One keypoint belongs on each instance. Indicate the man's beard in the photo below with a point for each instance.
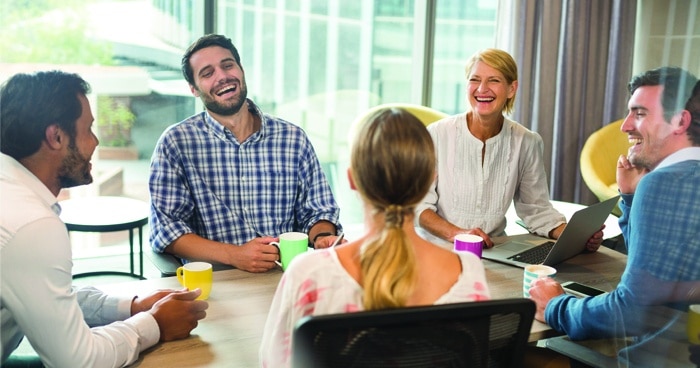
(219, 109)
(75, 169)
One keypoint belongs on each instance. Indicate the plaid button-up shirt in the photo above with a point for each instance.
(204, 181)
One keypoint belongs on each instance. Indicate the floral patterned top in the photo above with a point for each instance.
(316, 283)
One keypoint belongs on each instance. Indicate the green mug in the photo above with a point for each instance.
(291, 245)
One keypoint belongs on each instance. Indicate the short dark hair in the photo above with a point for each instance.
(693, 107)
(677, 86)
(31, 102)
(204, 42)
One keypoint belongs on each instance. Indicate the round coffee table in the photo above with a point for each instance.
(107, 214)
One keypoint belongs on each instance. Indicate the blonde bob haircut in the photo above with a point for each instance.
(501, 61)
(392, 164)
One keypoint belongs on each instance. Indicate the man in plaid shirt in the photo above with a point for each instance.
(225, 182)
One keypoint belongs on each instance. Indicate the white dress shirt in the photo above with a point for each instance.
(470, 194)
(36, 295)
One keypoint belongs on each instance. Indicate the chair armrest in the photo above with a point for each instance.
(590, 352)
(166, 263)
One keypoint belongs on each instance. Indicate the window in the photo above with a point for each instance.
(320, 64)
(668, 33)
(316, 63)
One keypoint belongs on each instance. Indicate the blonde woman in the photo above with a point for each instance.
(392, 166)
(487, 161)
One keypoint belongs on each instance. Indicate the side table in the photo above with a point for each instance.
(107, 214)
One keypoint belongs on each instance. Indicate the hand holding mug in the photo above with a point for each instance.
(142, 304)
(542, 290)
(533, 272)
(291, 245)
(178, 314)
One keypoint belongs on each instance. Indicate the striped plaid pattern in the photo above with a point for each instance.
(204, 181)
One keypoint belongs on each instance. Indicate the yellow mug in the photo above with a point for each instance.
(694, 324)
(195, 275)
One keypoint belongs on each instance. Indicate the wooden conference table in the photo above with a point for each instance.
(230, 335)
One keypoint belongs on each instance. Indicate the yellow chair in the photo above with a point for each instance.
(425, 114)
(599, 160)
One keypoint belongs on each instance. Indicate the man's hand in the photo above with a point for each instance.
(256, 255)
(178, 313)
(542, 290)
(595, 240)
(144, 304)
(327, 241)
(628, 175)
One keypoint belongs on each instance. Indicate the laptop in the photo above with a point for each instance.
(525, 249)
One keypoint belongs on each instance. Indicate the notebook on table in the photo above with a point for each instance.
(525, 249)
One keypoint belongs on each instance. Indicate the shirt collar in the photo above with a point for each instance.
(685, 154)
(222, 130)
(14, 171)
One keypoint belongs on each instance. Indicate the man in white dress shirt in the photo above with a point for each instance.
(46, 142)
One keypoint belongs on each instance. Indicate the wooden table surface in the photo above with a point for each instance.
(230, 335)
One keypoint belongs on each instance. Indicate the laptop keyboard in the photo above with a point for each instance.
(535, 255)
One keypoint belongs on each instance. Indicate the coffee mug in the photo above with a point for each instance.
(195, 275)
(693, 327)
(290, 246)
(533, 272)
(470, 243)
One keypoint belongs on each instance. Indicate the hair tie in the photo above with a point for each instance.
(393, 215)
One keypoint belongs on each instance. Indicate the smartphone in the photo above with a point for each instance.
(580, 290)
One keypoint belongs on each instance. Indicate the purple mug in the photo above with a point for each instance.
(470, 243)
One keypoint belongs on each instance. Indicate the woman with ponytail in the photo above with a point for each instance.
(392, 165)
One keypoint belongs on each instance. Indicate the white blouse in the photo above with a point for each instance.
(469, 194)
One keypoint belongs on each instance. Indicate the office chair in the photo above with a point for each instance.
(599, 160)
(167, 263)
(425, 114)
(475, 334)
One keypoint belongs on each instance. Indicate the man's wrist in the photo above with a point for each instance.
(319, 235)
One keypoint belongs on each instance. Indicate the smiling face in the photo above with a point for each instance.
(652, 137)
(218, 80)
(488, 90)
(75, 167)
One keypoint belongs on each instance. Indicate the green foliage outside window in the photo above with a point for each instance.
(114, 122)
(49, 31)
(56, 32)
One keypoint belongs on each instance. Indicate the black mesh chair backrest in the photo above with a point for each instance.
(476, 334)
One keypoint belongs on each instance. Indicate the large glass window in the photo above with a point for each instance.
(461, 28)
(320, 64)
(316, 63)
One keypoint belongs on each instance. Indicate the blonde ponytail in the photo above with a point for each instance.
(388, 265)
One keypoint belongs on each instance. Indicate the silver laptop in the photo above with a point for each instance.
(525, 249)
